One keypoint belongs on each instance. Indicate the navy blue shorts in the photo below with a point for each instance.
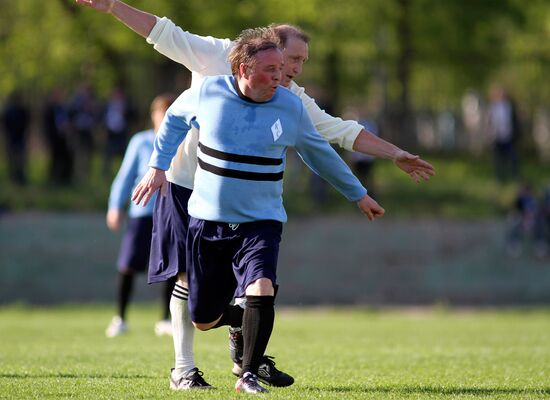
(170, 222)
(223, 260)
(136, 243)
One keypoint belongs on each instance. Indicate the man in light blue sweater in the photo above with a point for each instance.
(247, 122)
(133, 257)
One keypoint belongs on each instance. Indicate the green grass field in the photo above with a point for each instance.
(334, 354)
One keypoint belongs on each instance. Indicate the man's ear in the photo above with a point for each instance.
(243, 70)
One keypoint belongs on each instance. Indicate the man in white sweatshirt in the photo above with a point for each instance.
(206, 56)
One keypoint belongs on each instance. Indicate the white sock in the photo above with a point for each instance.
(241, 302)
(183, 332)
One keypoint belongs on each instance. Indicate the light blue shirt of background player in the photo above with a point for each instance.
(242, 151)
(134, 166)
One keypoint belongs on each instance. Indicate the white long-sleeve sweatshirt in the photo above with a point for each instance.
(207, 56)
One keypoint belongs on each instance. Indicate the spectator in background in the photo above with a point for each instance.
(56, 129)
(136, 243)
(523, 219)
(504, 132)
(83, 117)
(16, 121)
(542, 229)
(117, 117)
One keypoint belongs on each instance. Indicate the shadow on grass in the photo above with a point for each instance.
(475, 391)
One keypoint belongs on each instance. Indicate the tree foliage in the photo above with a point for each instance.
(402, 53)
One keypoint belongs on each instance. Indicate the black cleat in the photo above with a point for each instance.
(268, 373)
(193, 380)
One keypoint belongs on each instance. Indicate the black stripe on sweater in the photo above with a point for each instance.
(245, 175)
(239, 157)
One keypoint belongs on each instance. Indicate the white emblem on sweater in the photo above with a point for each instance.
(277, 129)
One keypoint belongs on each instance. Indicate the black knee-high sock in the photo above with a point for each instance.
(167, 290)
(232, 316)
(258, 318)
(125, 285)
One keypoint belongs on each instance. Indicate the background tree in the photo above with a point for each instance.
(394, 57)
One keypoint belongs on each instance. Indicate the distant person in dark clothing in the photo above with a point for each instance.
(542, 228)
(504, 131)
(56, 129)
(83, 114)
(117, 118)
(16, 120)
(524, 219)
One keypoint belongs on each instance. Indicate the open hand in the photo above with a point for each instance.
(414, 166)
(153, 180)
(114, 218)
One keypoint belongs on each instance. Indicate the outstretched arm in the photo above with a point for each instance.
(139, 21)
(350, 135)
(203, 54)
(322, 159)
(413, 165)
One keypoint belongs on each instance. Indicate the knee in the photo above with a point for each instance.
(204, 326)
(182, 280)
(260, 287)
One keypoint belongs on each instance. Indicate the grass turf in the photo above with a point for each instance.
(334, 354)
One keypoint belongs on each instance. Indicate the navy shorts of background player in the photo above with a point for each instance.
(135, 246)
(170, 222)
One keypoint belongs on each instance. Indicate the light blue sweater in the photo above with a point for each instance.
(242, 151)
(133, 168)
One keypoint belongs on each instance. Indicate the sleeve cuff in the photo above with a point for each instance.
(155, 33)
(364, 192)
(159, 162)
(350, 139)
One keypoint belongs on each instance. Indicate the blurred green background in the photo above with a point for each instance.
(417, 70)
